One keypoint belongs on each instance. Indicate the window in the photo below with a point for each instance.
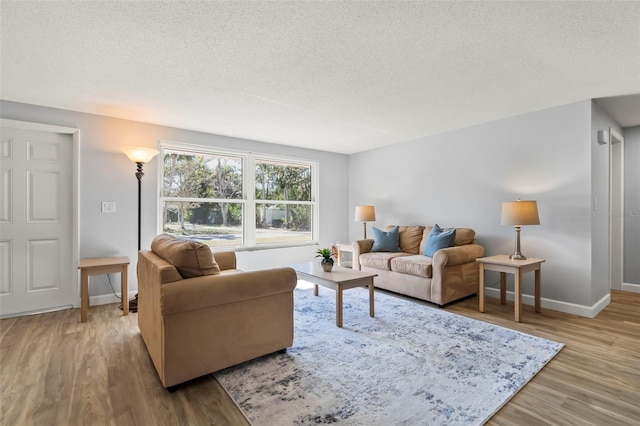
(283, 204)
(234, 199)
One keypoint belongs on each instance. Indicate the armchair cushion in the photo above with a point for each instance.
(190, 258)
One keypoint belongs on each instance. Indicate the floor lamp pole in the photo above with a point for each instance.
(138, 155)
(139, 175)
(133, 303)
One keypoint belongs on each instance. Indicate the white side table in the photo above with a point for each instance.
(343, 248)
(99, 266)
(504, 265)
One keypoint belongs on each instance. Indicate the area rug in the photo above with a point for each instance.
(412, 364)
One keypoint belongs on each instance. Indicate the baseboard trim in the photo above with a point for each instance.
(36, 312)
(557, 305)
(634, 288)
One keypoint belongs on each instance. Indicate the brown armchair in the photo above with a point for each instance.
(198, 314)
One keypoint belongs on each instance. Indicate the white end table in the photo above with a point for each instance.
(504, 265)
(99, 266)
(343, 248)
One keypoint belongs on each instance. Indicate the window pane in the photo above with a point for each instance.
(215, 224)
(280, 223)
(282, 181)
(193, 175)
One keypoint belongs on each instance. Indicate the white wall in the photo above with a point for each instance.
(632, 206)
(106, 174)
(462, 177)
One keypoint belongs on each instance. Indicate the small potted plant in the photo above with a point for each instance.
(327, 259)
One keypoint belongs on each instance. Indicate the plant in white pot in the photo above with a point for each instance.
(327, 259)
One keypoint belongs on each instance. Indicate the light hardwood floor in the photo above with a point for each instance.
(57, 371)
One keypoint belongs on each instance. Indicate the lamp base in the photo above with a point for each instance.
(516, 250)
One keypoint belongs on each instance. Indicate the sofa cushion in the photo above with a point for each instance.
(380, 260)
(409, 238)
(386, 241)
(417, 265)
(464, 236)
(438, 239)
(425, 235)
(191, 258)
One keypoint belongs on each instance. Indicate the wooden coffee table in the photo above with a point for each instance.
(338, 279)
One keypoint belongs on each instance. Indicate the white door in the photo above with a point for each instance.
(35, 221)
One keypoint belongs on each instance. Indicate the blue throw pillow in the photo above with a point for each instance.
(386, 241)
(439, 239)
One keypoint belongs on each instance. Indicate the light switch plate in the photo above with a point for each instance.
(108, 207)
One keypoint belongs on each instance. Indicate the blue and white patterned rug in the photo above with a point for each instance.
(410, 365)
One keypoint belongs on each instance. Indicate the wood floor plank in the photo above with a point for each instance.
(56, 371)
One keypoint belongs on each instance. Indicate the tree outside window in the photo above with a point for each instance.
(283, 201)
(204, 198)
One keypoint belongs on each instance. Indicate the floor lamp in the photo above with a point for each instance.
(138, 155)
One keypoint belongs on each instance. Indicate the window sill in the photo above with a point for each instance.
(264, 247)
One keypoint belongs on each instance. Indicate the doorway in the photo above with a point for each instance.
(38, 220)
(616, 209)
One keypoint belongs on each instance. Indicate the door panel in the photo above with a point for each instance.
(35, 221)
(6, 265)
(43, 265)
(6, 196)
(42, 196)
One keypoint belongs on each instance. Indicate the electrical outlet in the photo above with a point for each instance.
(108, 207)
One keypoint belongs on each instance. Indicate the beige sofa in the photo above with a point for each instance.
(452, 273)
(197, 314)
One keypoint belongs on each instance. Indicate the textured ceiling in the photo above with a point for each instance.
(336, 76)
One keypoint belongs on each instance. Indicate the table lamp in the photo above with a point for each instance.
(518, 213)
(365, 214)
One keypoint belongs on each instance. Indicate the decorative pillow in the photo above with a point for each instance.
(409, 238)
(191, 258)
(438, 239)
(386, 241)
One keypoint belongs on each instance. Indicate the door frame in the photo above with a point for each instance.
(614, 211)
(74, 295)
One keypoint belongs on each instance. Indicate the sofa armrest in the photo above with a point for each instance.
(457, 255)
(213, 290)
(359, 247)
(225, 259)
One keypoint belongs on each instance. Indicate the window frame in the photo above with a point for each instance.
(248, 199)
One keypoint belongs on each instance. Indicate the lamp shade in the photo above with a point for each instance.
(139, 154)
(521, 212)
(365, 213)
